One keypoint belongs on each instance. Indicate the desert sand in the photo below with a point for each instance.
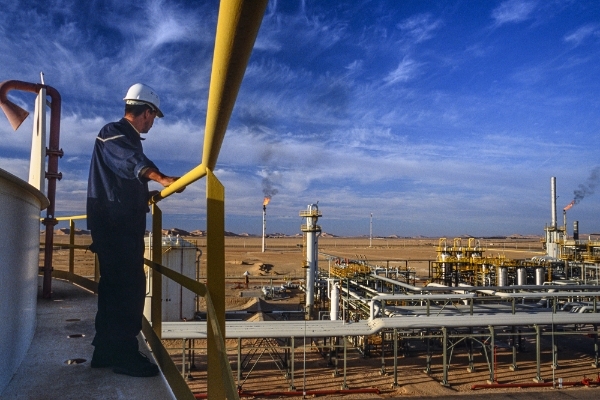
(283, 260)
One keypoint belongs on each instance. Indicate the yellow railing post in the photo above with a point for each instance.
(71, 249)
(215, 277)
(156, 245)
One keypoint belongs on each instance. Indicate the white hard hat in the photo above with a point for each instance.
(143, 94)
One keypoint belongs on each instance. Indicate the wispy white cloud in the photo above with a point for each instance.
(407, 70)
(168, 24)
(419, 28)
(513, 11)
(582, 33)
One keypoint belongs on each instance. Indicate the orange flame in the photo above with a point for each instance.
(266, 201)
(571, 204)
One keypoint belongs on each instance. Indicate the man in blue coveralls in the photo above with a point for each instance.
(117, 203)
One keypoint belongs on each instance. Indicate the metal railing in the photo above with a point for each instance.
(152, 331)
(237, 28)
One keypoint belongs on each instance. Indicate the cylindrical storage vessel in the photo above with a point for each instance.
(20, 206)
(335, 302)
(521, 276)
(502, 276)
(539, 275)
(178, 303)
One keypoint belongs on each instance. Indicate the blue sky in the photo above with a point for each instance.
(441, 118)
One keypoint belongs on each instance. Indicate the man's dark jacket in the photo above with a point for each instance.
(117, 197)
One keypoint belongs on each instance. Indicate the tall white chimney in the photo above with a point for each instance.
(311, 230)
(553, 200)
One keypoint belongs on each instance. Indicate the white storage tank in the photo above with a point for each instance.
(178, 303)
(20, 206)
(521, 276)
(502, 276)
(539, 275)
(335, 302)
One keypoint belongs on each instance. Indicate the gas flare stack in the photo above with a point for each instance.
(264, 226)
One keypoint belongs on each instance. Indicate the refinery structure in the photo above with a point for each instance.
(468, 302)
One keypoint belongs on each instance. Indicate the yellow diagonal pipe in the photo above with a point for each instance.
(190, 177)
(237, 28)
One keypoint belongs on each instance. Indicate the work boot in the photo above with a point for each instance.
(102, 357)
(134, 363)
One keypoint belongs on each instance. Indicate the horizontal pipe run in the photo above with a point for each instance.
(469, 288)
(300, 393)
(432, 297)
(583, 382)
(326, 328)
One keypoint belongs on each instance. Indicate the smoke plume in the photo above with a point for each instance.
(588, 187)
(267, 187)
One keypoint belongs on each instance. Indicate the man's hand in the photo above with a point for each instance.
(157, 176)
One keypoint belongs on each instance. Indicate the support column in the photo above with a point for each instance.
(538, 351)
(335, 365)
(344, 384)
(471, 367)
(292, 346)
(239, 363)
(513, 366)
(428, 358)
(382, 372)
(554, 354)
(493, 356)
(595, 362)
(445, 356)
(395, 383)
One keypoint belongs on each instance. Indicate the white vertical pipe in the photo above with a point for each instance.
(335, 302)
(311, 254)
(37, 162)
(310, 275)
(264, 231)
(553, 200)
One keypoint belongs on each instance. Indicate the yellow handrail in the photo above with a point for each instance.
(201, 290)
(237, 27)
(165, 362)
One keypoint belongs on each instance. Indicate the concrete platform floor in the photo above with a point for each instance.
(65, 329)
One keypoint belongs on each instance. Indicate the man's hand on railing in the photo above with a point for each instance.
(157, 176)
